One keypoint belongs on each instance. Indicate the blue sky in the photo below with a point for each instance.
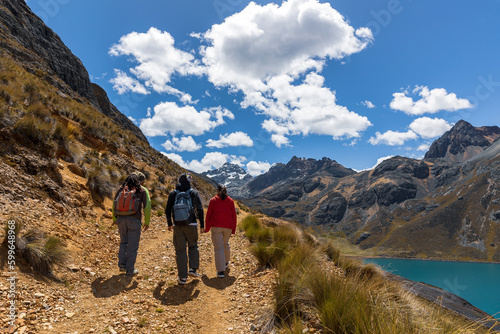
(255, 83)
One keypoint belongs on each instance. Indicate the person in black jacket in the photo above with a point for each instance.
(185, 231)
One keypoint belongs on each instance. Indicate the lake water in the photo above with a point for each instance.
(478, 283)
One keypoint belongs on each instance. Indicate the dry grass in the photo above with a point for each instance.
(40, 253)
(353, 298)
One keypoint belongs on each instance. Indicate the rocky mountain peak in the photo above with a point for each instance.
(462, 142)
(230, 175)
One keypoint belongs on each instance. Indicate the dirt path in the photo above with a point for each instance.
(96, 298)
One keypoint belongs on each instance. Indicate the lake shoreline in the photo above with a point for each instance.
(416, 258)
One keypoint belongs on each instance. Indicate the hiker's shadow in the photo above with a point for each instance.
(105, 288)
(219, 283)
(177, 294)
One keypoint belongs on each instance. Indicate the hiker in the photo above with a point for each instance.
(183, 206)
(129, 201)
(221, 219)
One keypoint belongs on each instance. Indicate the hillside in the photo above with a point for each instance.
(440, 207)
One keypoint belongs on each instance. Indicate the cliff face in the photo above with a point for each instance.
(29, 40)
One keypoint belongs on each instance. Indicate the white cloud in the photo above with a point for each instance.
(368, 104)
(122, 83)
(423, 147)
(379, 160)
(132, 119)
(170, 118)
(158, 60)
(263, 50)
(255, 168)
(262, 41)
(280, 140)
(232, 139)
(210, 161)
(306, 108)
(430, 127)
(431, 101)
(392, 138)
(181, 144)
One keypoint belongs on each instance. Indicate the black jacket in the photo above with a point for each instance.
(195, 199)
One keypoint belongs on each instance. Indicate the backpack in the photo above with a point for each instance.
(126, 203)
(183, 206)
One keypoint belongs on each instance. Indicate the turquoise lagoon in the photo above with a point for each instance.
(478, 283)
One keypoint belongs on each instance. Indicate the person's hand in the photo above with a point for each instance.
(145, 228)
(170, 228)
(202, 230)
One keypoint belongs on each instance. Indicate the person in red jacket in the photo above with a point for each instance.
(221, 219)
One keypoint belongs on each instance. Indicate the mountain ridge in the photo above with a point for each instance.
(399, 197)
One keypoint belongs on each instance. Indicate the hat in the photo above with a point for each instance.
(139, 175)
(185, 177)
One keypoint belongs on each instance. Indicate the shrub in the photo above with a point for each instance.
(32, 90)
(39, 133)
(285, 234)
(99, 184)
(39, 253)
(331, 251)
(39, 110)
(5, 96)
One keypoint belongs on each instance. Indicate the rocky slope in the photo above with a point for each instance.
(434, 207)
(40, 51)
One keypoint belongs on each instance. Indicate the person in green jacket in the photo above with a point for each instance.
(129, 227)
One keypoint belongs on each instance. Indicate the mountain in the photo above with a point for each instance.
(463, 142)
(439, 207)
(230, 175)
(40, 51)
(304, 174)
(65, 147)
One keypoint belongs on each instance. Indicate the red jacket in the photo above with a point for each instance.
(221, 213)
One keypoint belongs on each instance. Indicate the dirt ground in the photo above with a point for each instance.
(90, 295)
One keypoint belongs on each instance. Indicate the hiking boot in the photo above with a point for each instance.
(192, 272)
(181, 281)
(122, 269)
(133, 273)
(220, 274)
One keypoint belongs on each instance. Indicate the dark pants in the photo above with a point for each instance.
(186, 235)
(130, 234)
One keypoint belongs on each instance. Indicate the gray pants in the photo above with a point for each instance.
(220, 240)
(130, 234)
(186, 235)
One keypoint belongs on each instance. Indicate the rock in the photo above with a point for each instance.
(77, 170)
(39, 295)
(332, 211)
(70, 315)
(363, 236)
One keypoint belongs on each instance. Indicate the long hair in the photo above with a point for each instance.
(222, 191)
(132, 181)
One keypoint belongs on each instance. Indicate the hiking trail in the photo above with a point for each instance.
(94, 297)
